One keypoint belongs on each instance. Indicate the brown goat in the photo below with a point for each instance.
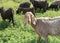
(43, 26)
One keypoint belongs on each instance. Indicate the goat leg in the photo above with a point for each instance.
(39, 39)
(35, 8)
(46, 39)
(9, 20)
(44, 9)
(13, 22)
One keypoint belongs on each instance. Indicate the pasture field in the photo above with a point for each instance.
(17, 34)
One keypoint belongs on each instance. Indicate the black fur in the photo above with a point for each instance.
(26, 10)
(8, 14)
(40, 4)
(53, 6)
(23, 5)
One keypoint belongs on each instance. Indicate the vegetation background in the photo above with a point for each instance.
(17, 34)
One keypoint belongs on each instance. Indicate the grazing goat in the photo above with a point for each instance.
(26, 10)
(53, 6)
(43, 26)
(57, 2)
(24, 5)
(7, 14)
(40, 4)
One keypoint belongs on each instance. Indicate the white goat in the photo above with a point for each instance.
(42, 26)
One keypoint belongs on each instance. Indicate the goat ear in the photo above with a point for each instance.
(34, 23)
(33, 20)
(29, 19)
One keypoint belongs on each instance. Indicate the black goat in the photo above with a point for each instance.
(24, 5)
(57, 2)
(40, 4)
(53, 6)
(7, 14)
(24, 10)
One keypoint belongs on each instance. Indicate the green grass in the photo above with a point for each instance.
(17, 34)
